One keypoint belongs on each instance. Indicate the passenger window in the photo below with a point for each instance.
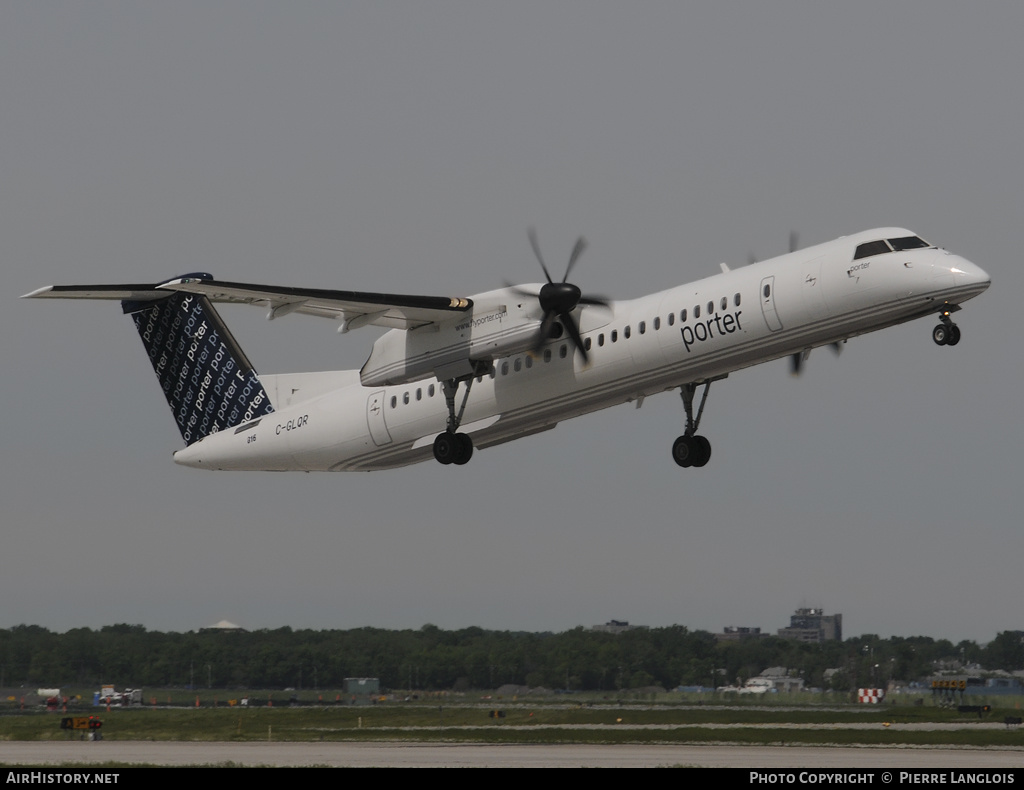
(430, 389)
(626, 333)
(562, 351)
(504, 368)
(671, 319)
(657, 323)
(642, 326)
(405, 398)
(529, 362)
(394, 401)
(711, 308)
(419, 393)
(736, 300)
(615, 335)
(767, 291)
(600, 339)
(547, 354)
(725, 302)
(518, 364)
(696, 311)
(587, 344)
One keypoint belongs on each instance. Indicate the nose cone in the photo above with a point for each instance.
(969, 278)
(970, 274)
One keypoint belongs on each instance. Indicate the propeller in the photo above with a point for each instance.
(796, 361)
(559, 299)
(794, 242)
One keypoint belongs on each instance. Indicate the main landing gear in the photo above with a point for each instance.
(452, 447)
(946, 333)
(690, 449)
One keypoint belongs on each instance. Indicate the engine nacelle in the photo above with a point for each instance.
(503, 323)
(500, 325)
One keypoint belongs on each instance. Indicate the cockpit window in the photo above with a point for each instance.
(908, 243)
(870, 248)
(880, 247)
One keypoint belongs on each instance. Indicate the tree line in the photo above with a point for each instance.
(431, 658)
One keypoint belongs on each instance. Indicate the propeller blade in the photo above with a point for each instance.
(577, 250)
(837, 348)
(558, 300)
(536, 251)
(796, 361)
(544, 333)
(574, 333)
(518, 290)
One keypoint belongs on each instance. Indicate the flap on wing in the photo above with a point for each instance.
(396, 311)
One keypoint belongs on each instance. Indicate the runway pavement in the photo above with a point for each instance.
(433, 755)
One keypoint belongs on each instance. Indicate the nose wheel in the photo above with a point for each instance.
(946, 333)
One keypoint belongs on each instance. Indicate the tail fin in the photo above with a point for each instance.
(209, 383)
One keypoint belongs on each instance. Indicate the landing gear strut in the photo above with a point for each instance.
(452, 447)
(690, 449)
(946, 333)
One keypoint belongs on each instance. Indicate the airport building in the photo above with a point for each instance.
(813, 625)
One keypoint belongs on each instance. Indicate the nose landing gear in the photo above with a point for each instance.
(946, 333)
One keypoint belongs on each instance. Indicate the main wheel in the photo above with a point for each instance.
(954, 335)
(683, 451)
(465, 449)
(702, 451)
(940, 334)
(446, 448)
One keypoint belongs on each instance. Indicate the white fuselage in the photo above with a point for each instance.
(693, 333)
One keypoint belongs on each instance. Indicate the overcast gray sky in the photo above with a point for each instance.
(408, 146)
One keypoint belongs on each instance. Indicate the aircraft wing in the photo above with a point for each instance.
(396, 311)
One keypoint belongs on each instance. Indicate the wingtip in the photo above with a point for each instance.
(37, 292)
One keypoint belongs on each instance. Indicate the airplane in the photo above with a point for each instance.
(458, 373)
